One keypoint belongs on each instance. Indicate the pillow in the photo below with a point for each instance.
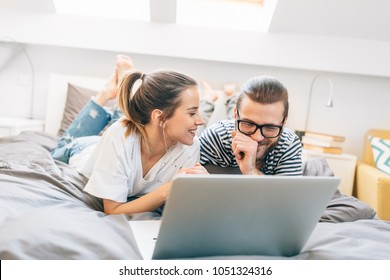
(76, 99)
(381, 151)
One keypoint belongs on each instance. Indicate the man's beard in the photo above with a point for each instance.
(261, 160)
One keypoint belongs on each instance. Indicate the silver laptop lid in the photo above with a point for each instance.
(217, 215)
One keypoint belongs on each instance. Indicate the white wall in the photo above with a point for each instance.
(360, 102)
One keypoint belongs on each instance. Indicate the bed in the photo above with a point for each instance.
(46, 215)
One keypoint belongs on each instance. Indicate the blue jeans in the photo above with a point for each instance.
(83, 131)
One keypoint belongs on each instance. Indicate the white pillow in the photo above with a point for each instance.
(57, 95)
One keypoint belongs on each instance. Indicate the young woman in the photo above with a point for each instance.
(133, 163)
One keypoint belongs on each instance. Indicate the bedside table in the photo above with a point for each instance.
(342, 165)
(13, 126)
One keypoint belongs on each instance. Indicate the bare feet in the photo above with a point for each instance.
(208, 92)
(229, 89)
(123, 65)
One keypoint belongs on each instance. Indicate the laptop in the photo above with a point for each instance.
(215, 169)
(224, 215)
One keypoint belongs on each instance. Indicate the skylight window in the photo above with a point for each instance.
(251, 15)
(120, 9)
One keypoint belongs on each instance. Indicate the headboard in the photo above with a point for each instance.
(58, 88)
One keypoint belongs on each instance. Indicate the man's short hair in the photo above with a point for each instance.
(264, 90)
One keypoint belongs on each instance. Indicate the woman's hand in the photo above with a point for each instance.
(196, 169)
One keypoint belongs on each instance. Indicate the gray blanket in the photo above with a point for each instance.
(44, 214)
(341, 208)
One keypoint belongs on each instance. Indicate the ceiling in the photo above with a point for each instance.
(359, 19)
(344, 36)
(362, 19)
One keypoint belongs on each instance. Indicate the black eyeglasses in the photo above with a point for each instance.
(267, 130)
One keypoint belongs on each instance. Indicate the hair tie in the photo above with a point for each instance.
(142, 77)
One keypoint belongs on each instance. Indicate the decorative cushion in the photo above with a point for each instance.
(76, 99)
(381, 151)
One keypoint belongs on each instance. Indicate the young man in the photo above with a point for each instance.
(256, 141)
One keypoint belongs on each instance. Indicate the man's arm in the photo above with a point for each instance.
(214, 146)
(290, 163)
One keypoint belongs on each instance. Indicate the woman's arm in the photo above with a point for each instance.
(146, 203)
(151, 201)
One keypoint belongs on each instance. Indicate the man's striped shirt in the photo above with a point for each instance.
(284, 159)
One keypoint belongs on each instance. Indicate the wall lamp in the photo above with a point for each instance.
(329, 103)
(20, 49)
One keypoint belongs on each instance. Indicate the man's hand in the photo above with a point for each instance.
(245, 150)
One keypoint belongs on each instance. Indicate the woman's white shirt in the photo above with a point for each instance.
(114, 166)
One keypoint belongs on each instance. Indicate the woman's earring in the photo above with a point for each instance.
(163, 126)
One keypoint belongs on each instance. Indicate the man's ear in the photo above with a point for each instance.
(285, 120)
(235, 113)
(157, 117)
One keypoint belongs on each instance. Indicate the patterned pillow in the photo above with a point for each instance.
(381, 151)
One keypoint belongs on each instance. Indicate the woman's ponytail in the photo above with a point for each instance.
(126, 90)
